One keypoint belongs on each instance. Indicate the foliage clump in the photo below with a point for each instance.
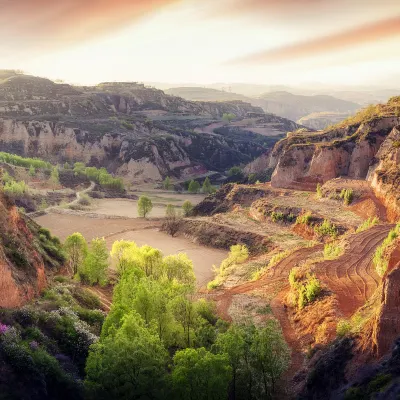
(145, 206)
(304, 289)
(380, 259)
(347, 195)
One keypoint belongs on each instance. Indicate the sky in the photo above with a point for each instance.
(347, 42)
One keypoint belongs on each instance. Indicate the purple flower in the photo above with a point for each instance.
(3, 328)
(34, 345)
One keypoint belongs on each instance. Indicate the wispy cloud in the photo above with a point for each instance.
(353, 38)
(50, 23)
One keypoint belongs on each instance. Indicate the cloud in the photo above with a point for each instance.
(50, 23)
(365, 34)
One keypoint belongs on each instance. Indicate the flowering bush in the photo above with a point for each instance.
(3, 328)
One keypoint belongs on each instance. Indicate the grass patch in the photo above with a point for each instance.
(369, 223)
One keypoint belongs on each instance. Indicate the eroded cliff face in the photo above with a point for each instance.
(384, 174)
(323, 156)
(143, 153)
(24, 257)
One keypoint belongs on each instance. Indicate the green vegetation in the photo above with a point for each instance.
(305, 289)
(319, 191)
(88, 264)
(228, 117)
(194, 187)
(144, 206)
(173, 220)
(207, 187)
(54, 177)
(347, 195)
(381, 258)
(238, 254)
(159, 343)
(32, 171)
(167, 185)
(127, 125)
(333, 250)
(25, 162)
(327, 228)
(187, 207)
(76, 247)
(277, 258)
(369, 223)
(99, 176)
(84, 200)
(95, 264)
(236, 172)
(343, 328)
(304, 219)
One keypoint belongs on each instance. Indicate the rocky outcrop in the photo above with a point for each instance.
(348, 150)
(25, 255)
(384, 174)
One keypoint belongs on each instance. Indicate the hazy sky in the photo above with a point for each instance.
(257, 41)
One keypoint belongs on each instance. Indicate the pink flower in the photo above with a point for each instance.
(3, 328)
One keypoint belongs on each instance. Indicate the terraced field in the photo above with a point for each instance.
(352, 277)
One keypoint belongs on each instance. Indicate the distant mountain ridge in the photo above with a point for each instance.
(281, 103)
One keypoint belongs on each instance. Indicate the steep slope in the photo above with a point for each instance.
(26, 253)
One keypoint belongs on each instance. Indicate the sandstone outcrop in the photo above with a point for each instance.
(365, 148)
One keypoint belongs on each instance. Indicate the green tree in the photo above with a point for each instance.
(185, 314)
(122, 254)
(144, 206)
(94, 269)
(55, 177)
(128, 364)
(198, 374)
(167, 185)
(179, 267)
(194, 187)
(32, 170)
(271, 355)
(187, 207)
(228, 117)
(233, 344)
(235, 172)
(76, 247)
(172, 220)
(207, 187)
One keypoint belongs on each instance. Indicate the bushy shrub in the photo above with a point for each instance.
(343, 328)
(347, 195)
(305, 219)
(327, 228)
(85, 200)
(332, 250)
